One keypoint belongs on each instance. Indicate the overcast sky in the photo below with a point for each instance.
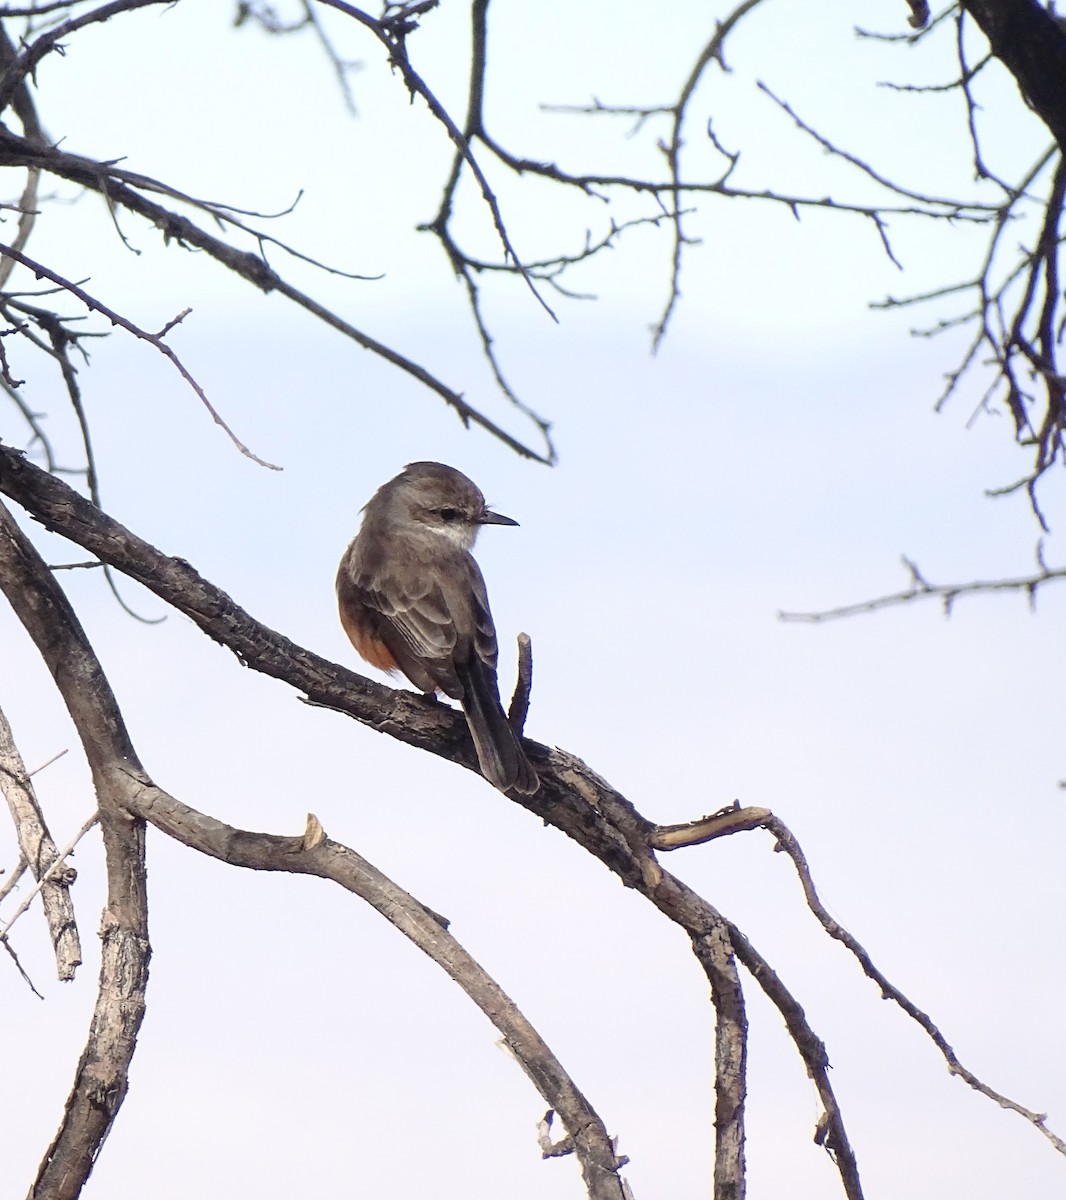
(780, 452)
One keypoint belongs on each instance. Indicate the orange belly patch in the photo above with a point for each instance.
(369, 647)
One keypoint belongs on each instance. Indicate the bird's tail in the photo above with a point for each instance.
(501, 757)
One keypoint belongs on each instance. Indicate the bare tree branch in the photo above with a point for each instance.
(13, 877)
(947, 593)
(123, 784)
(572, 797)
(153, 339)
(518, 709)
(736, 819)
(30, 55)
(711, 52)
(718, 959)
(1031, 43)
(121, 188)
(315, 854)
(59, 868)
(40, 854)
(102, 1074)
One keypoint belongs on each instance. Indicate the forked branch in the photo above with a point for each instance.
(39, 852)
(128, 798)
(921, 588)
(102, 1074)
(735, 820)
(572, 797)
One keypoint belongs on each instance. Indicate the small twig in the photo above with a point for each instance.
(13, 877)
(32, 52)
(19, 967)
(61, 339)
(947, 593)
(864, 167)
(153, 339)
(28, 214)
(711, 52)
(397, 48)
(732, 819)
(48, 762)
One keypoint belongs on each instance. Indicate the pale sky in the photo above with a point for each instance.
(781, 452)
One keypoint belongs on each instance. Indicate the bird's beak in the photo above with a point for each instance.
(491, 518)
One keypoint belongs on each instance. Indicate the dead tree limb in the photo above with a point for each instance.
(921, 588)
(102, 1076)
(130, 798)
(572, 797)
(40, 853)
(735, 820)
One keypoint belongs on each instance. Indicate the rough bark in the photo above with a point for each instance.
(1031, 44)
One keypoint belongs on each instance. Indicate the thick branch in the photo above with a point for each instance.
(572, 797)
(133, 798)
(1031, 44)
(715, 953)
(102, 1075)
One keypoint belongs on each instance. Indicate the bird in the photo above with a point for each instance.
(412, 599)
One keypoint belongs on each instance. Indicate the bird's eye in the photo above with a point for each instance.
(449, 514)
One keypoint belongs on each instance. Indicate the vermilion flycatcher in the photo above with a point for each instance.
(412, 599)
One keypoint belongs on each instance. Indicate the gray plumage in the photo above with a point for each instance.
(413, 599)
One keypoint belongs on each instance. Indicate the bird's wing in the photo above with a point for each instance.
(484, 641)
(422, 613)
(417, 627)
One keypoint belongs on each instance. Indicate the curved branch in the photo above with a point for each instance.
(735, 820)
(786, 841)
(129, 797)
(119, 187)
(317, 855)
(572, 797)
(25, 62)
(102, 1074)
